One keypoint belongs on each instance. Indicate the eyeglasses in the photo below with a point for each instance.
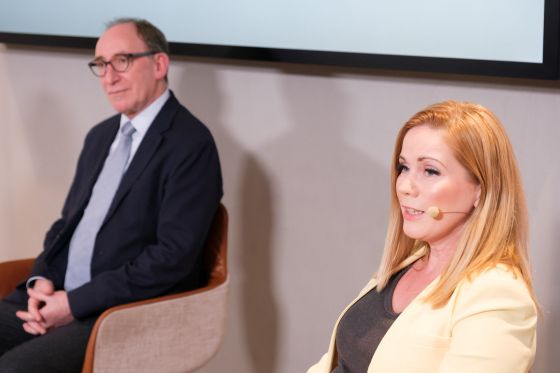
(119, 62)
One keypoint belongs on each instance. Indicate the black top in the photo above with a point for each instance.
(363, 326)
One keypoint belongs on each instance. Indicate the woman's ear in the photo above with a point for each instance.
(477, 200)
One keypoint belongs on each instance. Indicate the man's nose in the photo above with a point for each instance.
(110, 74)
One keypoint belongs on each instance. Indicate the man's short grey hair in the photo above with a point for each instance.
(153, 37)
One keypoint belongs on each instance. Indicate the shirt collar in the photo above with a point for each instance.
(142, 121)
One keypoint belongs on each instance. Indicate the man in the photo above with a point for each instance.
(146, 188)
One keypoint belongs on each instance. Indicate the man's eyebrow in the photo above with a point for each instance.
(97, 58)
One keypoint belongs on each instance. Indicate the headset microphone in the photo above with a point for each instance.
(434, 212)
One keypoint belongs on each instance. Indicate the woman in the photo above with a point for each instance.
(453, 292)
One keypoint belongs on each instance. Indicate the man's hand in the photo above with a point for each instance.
(34, 320)
(56, 310)
(42, 286)
(46, 309)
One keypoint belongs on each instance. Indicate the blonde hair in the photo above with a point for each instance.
(497, 230)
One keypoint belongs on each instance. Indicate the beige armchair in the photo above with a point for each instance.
(173, 333)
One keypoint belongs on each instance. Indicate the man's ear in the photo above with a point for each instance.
(161, 65)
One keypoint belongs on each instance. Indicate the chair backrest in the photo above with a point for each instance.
(214, 262)
(12, 273)
(215, 250)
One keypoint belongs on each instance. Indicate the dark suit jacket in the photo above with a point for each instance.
(151, 239)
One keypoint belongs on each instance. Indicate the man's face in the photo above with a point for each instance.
(131, 91)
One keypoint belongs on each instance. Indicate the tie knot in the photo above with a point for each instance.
(128, 129)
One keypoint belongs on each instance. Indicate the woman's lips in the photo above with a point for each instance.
(410, 213)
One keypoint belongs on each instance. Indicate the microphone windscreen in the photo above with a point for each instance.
(433, 211)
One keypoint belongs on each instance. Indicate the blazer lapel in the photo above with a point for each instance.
(370, 285)
(104, 146)
(96, 164)
(145, 152)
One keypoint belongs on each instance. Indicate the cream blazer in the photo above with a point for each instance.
(488, 325)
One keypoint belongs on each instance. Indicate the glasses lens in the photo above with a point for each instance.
(120, 62)
(97, 68)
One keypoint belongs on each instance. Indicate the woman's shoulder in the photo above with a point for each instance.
(498, 287)
(498, 276)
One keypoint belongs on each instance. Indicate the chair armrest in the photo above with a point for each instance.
(12, 273)
(174, 333)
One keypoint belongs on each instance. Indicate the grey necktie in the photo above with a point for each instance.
(78, 271)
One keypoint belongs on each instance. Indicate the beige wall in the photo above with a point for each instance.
(305, 153)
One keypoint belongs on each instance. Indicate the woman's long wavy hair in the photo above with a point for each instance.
(497, 229)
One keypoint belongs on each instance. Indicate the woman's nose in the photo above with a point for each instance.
(406, 185)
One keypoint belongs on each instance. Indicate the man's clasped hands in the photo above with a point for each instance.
(46, 308)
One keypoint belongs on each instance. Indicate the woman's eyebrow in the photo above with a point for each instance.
(423, 158)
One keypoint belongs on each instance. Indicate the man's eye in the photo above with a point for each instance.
(120, 60)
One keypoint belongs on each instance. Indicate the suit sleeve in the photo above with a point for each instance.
(190, 197)
(494, 330)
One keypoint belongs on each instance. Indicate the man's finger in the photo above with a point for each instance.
(29, 329)
(34, 328)
(37, 295)
(25, 316)
(44, 286)
(33, 306)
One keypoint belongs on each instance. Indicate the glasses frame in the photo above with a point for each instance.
(129, 58)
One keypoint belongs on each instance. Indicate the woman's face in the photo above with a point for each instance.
(430, 175)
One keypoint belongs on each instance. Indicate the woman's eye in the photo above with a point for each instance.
(400, 168)
(431, 172)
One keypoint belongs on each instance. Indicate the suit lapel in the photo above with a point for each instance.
(145, 152)
(103, 146)
(101, 150)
